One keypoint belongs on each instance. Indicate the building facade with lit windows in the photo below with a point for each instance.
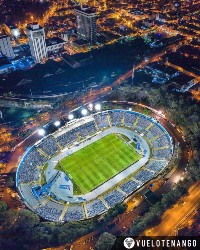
(86, 23)
(6, 47)
(36, 37)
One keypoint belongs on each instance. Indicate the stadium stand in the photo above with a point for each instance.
(142, 123)
(161, 141)
(26, 192)
(156, 131)
(113, 197)
(67, 138)
(143, 176)
(28, 168)
(129, 118)
(74, 212)
(87, 129)
(129, 186)
(156, 166)
(95, 207)
(116, 117)
(50, 211)
(49, 146)
(102, 120)
(162, 153)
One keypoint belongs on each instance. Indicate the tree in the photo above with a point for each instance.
(105, 241)
(10, 182)
(138, 227)
(71, 231)
(8, 218)
(27, 220)
(3, 206)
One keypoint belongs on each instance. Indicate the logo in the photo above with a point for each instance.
(129, 243)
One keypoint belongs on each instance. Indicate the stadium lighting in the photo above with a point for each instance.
(98, 107)
(70, 116)
(41, 132)
(84, 112)
(16, 33)
(90, 106)
(57, 123)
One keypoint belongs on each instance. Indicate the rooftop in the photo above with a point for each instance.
(3, 36)
(33, 26)
(53, 41)
(86, 9)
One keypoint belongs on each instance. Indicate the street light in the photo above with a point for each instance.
(84, 112)
(41, 132)
(98, 107)
(70, 116)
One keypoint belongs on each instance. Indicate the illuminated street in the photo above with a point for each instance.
(173, 217)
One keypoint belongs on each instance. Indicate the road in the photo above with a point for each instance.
(179, 212)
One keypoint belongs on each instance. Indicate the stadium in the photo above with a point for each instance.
(92, 163)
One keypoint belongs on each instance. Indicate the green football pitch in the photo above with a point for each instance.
(96, 163)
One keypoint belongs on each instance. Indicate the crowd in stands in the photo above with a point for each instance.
(67, 138)
(87, 129)
(142, 123)
(143, 176)
(156, 166)
(150, 135)
(49, 146)
(161, 141)
(95, 207)
(129, 118)
(102, 120)
(113, 197)
(162, 153)
(116, 118)
(156, 131)
(50, 211)
(129, 186)
(28, 168)
(74, 212)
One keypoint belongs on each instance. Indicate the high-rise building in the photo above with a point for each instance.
(36, 37)
(86, 23)
(6, 47)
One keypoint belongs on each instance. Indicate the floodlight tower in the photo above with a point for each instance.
(84, 112)
(71, 116)
(57, 123)
(98, 107)
(41, 132)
